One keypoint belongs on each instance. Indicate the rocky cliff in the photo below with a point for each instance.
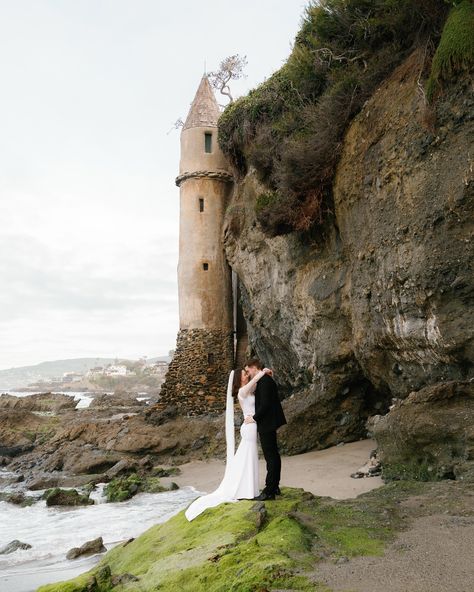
(375, 302)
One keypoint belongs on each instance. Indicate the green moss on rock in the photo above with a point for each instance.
(124, 487)
(455, 52)
(66, 497)
(417, 471)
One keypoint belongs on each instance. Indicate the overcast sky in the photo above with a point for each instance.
(88, 206)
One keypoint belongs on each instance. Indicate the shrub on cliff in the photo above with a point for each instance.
(291, 127)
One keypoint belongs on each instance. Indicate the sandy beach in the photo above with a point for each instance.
(323, 472)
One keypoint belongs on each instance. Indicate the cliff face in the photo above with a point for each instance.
(376, 302)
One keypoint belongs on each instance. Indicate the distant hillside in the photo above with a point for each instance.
(13, 378)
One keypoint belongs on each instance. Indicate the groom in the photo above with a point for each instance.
(269, 417)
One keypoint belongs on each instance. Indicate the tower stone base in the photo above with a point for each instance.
(197, 377)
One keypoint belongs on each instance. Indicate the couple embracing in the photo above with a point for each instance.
(263, 414)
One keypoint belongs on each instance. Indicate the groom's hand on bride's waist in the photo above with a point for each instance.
(249, 419)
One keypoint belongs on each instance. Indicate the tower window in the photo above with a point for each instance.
(210, 358)
(208, 142)
(205, 266)
(201, 204)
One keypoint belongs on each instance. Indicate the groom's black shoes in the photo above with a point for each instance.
(267, 495)
(264, 496)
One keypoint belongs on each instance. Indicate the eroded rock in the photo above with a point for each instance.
(430, 434)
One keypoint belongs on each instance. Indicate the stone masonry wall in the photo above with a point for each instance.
(196, 381)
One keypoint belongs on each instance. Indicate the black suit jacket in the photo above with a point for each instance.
(268, 410)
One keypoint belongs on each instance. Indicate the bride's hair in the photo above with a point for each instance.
(254, 362)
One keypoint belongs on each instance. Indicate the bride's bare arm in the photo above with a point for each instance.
(245, 390)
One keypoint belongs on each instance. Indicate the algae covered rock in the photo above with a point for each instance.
(18, 498)
(124, 487)
(66, 497)
(243, 546)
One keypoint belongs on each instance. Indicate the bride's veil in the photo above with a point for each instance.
(229, 422)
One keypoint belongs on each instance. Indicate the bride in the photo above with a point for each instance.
(240, 479)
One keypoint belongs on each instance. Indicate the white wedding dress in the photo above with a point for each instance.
(240, 479)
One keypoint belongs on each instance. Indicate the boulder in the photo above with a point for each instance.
(428, 435)
(14, 546)
(123, 488)
(89, 548)
(88, 459)
(116, 400)
(66, 497)
(18, 498)
(123, 466)
(43, 481)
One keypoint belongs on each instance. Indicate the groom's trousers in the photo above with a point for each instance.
(268, 441)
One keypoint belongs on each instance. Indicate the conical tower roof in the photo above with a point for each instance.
(204, 111)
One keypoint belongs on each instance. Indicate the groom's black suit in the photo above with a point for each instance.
(269, 417)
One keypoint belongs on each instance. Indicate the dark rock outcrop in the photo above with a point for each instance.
(84, 449)
(430, 434)
(18, 431)
(42, 402)
(404, 197)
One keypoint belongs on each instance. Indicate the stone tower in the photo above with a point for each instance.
(197, 376)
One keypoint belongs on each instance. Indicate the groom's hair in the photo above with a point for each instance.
(254, 362)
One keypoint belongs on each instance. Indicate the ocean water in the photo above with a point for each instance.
(53, 531)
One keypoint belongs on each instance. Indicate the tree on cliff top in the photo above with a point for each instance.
(231, 68)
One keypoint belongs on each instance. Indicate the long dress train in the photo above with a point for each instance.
(240, 479)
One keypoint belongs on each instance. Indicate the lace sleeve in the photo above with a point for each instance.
(245, 390)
